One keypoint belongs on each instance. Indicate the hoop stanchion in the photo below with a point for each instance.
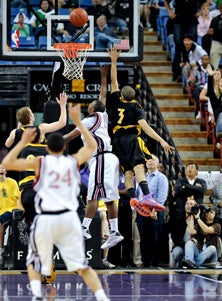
(74, 56)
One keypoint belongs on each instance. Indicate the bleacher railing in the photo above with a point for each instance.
(172, 162)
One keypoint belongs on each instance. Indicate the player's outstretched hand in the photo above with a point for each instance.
(167, 147)
(104, 70)
(62, 100)
(114, 53)
(75, 113)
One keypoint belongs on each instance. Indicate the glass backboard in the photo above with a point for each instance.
(29, 49)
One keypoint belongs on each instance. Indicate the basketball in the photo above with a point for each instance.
(78, 17)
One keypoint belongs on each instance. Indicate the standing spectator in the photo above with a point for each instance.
(185, 21)
(205, 231)
(180, 234)
(151, 228)
(21, 23)
(189, 185)
(204, 21)
(145, 13)
(127, 121)
(216, 45)
(56, 202)
(122, 14)
(103, 34)
(43, 12)
(216, 101)
(9, 201)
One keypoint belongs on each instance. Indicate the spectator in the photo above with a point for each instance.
(122, 14)
(204, 21)
(43, 12)
(205, 231)
(197, 79)
(216, 196)
(179, 232)
(204, 97)
(189, 185)
(185, 21)
(99, 8)
(104, 35)
(216, 101)
(145, 13)
(151, 228)
(9, 201)
(191, 56)
(21, 23)
(216, 45)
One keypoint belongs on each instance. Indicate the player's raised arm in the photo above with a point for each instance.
(114, 55)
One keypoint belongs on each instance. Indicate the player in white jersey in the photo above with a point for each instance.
(57, 222)
(104, 167)
(104, 173)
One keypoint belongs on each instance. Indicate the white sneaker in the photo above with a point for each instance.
(106, 264)
(86, 233)
(198, 115)
(114, 239)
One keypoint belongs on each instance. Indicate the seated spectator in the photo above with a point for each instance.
(9, 201)
(191, 56)
(103, 34)
(21, 23)
(196, 81)
(122, 14)
(204, 97)
(204, 21)
(43, 12)
(205, 231)
(99, 8)
(179, 232)
(216, 196)
(215, 101)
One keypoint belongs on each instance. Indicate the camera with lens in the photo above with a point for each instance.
(203, 209)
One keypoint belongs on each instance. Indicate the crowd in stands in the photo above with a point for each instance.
(115, 21)
(196, 64)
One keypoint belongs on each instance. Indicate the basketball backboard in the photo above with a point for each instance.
(48, 53)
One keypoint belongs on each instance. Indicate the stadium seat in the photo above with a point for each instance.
(27, 42)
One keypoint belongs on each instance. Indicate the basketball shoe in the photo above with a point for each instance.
(114, 239)
(86, 233)
(142, 210)
(148, 201)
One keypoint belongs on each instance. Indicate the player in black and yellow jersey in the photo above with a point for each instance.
(128, 120)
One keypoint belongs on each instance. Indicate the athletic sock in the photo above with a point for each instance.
(86, 222)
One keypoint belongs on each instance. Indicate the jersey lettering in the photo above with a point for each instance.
(56, 179)
(121, 114)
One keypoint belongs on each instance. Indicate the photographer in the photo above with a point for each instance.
(205, 231)
(180, 234)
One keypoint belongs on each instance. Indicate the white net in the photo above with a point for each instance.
(73, 67)
(74, 59)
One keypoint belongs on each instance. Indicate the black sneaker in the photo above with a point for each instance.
(189, 264)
